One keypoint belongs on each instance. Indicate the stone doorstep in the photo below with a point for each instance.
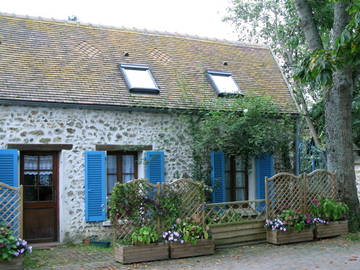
(47, 245)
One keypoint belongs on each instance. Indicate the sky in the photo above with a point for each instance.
(195, 17)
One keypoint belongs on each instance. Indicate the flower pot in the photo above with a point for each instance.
(333, 228)
(202, 247)
(291, 236)
(13, 264)
(141, 253)
(103, 244)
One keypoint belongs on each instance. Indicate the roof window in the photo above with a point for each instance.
(139, 79)
(223, 83)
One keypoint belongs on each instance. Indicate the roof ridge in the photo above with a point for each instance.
(136, 30)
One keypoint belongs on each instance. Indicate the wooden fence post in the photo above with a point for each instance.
(266, 199)
(21, 216)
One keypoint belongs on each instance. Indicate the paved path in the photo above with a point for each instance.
(330, 254)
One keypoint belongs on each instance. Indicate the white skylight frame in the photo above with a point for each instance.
(132, 73)
(220, 80)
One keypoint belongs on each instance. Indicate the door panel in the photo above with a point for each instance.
(39, 176)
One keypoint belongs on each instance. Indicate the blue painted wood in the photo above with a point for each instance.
(9, 174)
(9, 167)
(154, 166)
(264, 168)
(95, 186)
(218, 176)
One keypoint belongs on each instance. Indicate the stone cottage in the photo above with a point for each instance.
(83, 106)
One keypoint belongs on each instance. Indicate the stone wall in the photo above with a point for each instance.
(85, 128)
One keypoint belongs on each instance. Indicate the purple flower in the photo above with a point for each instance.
(16, 254)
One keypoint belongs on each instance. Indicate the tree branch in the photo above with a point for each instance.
(308, 24)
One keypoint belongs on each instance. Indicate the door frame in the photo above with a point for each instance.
(56, 165)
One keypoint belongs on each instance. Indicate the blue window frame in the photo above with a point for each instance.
(223, 83)
(139, 79)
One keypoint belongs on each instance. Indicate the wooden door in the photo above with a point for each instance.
(39, 176)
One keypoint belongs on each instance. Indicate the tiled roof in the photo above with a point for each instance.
(63, 62)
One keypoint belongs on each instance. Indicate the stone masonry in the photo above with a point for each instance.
(85, 128)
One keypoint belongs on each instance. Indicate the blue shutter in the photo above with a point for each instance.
(95, 186)
(218, 176)
(9, 168)
(154, 166)
(264, 168)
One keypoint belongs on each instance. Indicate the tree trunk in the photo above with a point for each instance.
(339, 136)
(338, 99)
(308, 25)
(338, 119)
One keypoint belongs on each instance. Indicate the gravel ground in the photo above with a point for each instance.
(330, 254)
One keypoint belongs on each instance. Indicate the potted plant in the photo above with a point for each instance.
(12, 249)
(145, 246)
(331, 217)
(188, 238)
(289, 227)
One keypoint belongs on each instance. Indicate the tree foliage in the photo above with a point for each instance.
(246, 127)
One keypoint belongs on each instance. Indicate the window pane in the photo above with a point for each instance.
(240, 179)
(128, 177)
(140, 78)
(45, 194)
(225, 84)
(30, 178)
(240, 165)
(128, 164)
(111, 164)
(30, 194)
(30, 162)
(46, 162)
(45, 178)
(111, 180)
(240, 194)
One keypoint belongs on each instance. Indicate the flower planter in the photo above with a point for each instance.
(334, 228)
(202, 247)
(278, 237)
(13, 264)
(141, 253)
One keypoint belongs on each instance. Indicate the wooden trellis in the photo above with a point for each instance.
(234, 212)
(145, 197)
(287, 191)
(11, 208)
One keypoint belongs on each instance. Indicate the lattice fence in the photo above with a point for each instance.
(287, 191)
(145, 207)
(11, 207)
(234, 212)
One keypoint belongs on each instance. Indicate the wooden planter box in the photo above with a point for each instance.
(277, 237)
(237, 233)
(13, 264)
(202, 247)
(332, 229)
(141, 253)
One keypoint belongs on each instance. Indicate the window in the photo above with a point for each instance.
(121, 167)
(139, 79)
(223, 82)
(237, 179)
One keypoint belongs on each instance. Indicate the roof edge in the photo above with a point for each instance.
(12, 102)
(135, 30)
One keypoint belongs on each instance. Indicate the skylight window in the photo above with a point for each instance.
(139, 79)
(223, 83)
